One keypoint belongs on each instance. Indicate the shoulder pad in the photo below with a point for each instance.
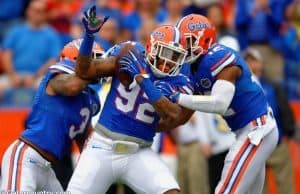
(113, 51)
(65, 66)
(218, 57)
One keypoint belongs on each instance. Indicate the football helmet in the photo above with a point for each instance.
(164, 53)
(71, 50)
(197, 34)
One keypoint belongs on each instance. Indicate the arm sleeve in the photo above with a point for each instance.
(218, 102)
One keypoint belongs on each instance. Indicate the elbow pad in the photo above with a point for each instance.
(218, 102)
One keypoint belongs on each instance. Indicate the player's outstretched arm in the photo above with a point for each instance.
(218, 102)
(66, 85)
(73, 84)
(221, 95)
(85, 67)
(169, 123)
(103, 67)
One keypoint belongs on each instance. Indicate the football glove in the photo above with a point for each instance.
(91, 22)
(133, 64)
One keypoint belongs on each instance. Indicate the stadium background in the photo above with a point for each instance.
(134, 19)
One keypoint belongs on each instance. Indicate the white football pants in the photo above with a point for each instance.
(244, 165)
(24, 169)
(99, 166)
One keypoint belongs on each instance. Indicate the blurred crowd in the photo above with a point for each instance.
(266, 32)
(33, 33)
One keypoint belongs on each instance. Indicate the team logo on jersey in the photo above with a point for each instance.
(205, 83)
(198, 26)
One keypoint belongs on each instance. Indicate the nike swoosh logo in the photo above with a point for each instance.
(96, 146)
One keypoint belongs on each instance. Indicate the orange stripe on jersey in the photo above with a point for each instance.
(244, 168)
(20, 161)
(220, 62)
(233, 165)
(11, 165)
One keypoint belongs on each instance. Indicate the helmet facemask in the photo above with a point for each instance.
(166, 59)
(97, 54)
(192, 45)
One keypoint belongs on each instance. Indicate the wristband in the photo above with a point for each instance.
(86, 45)
(151, 91)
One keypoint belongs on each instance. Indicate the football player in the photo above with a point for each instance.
(62, 110)
(119, 148)
(224, 85)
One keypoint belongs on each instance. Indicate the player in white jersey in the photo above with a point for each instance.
(223, 81)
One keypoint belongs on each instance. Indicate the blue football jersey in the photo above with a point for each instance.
(55, 119)
(249, 101)
(129, 112)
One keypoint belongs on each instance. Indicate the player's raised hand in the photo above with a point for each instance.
(91, 22)
(133, 64)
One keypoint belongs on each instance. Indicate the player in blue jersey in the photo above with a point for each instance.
(61, 111)
(119, 149)
(224, 85)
